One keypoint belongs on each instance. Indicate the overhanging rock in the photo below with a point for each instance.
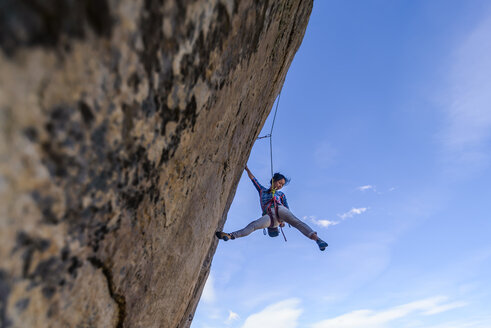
(125, 126)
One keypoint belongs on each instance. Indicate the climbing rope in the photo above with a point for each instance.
(270, 136)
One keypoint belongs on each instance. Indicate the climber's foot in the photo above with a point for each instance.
(223, 235)
(321, 243)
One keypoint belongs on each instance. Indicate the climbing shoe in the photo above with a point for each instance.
(223, 235)
(322, 244)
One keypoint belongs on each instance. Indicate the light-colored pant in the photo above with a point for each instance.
(264, 222)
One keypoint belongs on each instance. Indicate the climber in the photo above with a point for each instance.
(275, 212)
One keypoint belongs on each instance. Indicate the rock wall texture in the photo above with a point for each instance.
(125, 126)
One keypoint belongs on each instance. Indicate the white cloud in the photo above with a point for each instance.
(374, 189)
(374, 319)
(366, 187)
(232, 316)
(209, 295)
(283, 314)
(444, 308)
(325, 223)
(320, 222)
(464, 323)
(352, 212)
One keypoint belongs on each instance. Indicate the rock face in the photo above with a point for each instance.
(125, 126)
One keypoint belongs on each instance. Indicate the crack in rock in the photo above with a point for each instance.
(118, 298)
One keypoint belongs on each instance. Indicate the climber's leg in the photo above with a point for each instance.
(260, 223)
(288, 217)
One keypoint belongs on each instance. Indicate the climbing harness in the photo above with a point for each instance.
(273, 231)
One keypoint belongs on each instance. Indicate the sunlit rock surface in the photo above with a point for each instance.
(124, 129)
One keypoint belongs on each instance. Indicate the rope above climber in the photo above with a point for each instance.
(275, 211)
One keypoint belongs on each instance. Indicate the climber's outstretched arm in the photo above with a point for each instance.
(249, 173)
(256, 183)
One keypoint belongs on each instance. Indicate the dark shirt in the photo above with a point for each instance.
(265, 196)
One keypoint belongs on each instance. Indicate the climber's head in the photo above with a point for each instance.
(279, 180)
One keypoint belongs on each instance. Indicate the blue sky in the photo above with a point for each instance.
(384, 127)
